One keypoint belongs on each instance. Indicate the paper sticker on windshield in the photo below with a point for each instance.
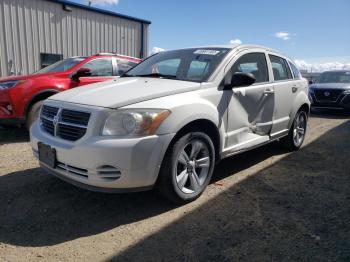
(206, 52)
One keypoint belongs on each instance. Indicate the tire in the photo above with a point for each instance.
(296, 136)
(33, 114)
(187, 168)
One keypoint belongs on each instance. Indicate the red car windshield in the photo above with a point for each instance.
(62, 65)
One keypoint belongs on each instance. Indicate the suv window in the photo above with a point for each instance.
(124, 65)
(295, 70)
(254, 63)
(280, 68)
(100, 67)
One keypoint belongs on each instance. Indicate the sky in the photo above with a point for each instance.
(316, 33)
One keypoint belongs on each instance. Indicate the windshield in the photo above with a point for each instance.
(195, 64)
(335, 77)
(62, 65)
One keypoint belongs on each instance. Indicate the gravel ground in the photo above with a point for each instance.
(264, 205)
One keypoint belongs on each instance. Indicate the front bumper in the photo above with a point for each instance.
(137, 160)
(342, 102)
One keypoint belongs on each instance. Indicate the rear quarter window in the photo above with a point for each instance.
(295, 70)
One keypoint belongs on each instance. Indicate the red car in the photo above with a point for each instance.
(21, 96)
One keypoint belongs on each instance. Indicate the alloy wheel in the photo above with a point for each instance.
(192, 166)
(299, 129)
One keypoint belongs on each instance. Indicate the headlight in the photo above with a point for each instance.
(346, 92)
(10, 84)
(134, 122)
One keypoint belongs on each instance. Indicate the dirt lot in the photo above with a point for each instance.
(264, 205)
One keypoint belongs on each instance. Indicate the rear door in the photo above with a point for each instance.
(102, 69)
(285, 88)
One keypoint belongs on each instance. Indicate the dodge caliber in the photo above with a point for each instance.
(166, 122)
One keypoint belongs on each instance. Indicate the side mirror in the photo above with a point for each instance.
(81, 73)
(310, 82)
(241, 79)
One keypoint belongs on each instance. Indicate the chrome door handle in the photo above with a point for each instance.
(269, 91)
(294, 89)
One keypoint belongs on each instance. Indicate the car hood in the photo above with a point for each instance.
(330, 86)
(124, 91)
(33, 76)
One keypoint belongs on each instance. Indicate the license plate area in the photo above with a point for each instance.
(47, 155)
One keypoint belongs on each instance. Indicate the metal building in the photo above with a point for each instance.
(35, 33)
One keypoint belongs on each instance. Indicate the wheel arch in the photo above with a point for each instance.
(301, 102)
(38, 97)
(201, 125)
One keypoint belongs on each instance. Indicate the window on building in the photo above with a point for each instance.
(49, 59)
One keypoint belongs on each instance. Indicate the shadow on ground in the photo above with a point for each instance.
(13, 135)
(295, 210)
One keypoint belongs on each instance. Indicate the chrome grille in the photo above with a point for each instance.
(67, 124)
(49, 111)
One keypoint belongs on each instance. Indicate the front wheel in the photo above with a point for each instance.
(296, 135)
(187, 168)
(33, 114)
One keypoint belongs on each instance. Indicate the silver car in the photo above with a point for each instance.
(169, 120)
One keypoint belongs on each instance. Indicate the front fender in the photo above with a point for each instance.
(186, 113)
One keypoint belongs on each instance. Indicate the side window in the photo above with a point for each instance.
(280, 68)
(100, 67)
(124, 65)
(254, 63)
(295, 70)
(197, 70)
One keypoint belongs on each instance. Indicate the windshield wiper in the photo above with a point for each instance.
(157, 75)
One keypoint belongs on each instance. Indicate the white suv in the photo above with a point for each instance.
(166, 122)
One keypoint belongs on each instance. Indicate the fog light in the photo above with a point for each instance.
(9, 107)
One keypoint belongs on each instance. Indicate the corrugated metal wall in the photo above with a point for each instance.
(31, 27)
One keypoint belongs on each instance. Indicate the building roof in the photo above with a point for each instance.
(98, 10)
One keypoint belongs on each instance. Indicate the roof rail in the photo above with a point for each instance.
(119, 55)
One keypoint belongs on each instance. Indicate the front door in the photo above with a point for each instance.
(250, 108)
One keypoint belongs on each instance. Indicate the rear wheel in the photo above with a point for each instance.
(297, 132)
(33, 114)
(187, 168)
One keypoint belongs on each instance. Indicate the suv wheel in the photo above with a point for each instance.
(296, 135)
(187, 168)
(33, 114)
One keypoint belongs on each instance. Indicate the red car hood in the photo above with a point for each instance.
(25, 77)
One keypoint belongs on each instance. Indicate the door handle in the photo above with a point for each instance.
(294, 89)
(269, 91)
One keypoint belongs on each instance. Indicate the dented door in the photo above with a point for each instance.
(251, 108)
